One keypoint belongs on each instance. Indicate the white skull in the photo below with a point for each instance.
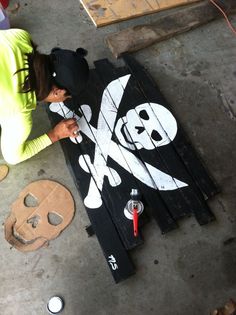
(147, 126)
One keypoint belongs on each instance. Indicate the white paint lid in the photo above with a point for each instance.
(55, 305)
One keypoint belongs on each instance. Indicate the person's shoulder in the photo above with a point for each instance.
(19, 33)
(15, 34)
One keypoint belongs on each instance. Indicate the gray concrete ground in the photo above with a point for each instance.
(189, 271)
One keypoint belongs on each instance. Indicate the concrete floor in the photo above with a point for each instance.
(189, 271)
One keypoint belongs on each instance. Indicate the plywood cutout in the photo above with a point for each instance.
(104, 12)
(3, 171)
(42, 210)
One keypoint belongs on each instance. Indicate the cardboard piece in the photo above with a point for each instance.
(228, 309)
(4, 169)
(31, 226)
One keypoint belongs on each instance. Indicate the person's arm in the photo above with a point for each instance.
(64, 129)
(14, 144)
(15, 132)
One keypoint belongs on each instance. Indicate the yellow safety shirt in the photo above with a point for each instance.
(15, 107)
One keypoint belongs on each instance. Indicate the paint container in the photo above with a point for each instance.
(55, 305)
(4, 21)
(133, 209)
(134, 200)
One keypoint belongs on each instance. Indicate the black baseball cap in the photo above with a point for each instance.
(70, 69)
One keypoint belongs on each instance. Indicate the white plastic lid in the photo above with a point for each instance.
(55, 305)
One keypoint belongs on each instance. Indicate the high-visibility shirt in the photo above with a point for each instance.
(15, 107)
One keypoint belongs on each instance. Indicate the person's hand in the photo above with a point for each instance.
(64, 129)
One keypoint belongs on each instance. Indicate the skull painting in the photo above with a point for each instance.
(147, 126)
(31, 226)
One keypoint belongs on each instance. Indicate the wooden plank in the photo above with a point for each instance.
(104, 12)
(137, 37)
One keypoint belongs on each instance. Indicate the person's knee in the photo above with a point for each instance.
(11, 159)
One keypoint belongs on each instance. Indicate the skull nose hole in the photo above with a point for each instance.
(30, 201)
(54, 219)
(34, 221)
(140, 129)
(156, 136)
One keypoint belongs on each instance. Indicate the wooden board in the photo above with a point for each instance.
(130, 139)
(104, 12)
(140, 36)
(4, 169)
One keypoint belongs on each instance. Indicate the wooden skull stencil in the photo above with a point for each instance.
(29, 227)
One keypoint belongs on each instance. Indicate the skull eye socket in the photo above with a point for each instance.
(143, 114)
(31, 201)
(156, 136)
(54, 219)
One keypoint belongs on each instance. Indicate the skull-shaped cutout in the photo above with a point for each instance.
(147, 126)
(31, 226)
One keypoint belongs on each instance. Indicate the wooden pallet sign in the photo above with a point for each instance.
(130, 139)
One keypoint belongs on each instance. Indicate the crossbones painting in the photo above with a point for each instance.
(130, 139)
(147, 126)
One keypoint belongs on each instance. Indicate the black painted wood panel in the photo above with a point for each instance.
(130, 139)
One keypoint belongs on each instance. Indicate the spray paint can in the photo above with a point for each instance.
(134, 208)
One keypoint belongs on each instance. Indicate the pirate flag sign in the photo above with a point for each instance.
(129, 139)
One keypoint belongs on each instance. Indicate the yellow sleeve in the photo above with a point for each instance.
(15, 132)
(14, 44)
